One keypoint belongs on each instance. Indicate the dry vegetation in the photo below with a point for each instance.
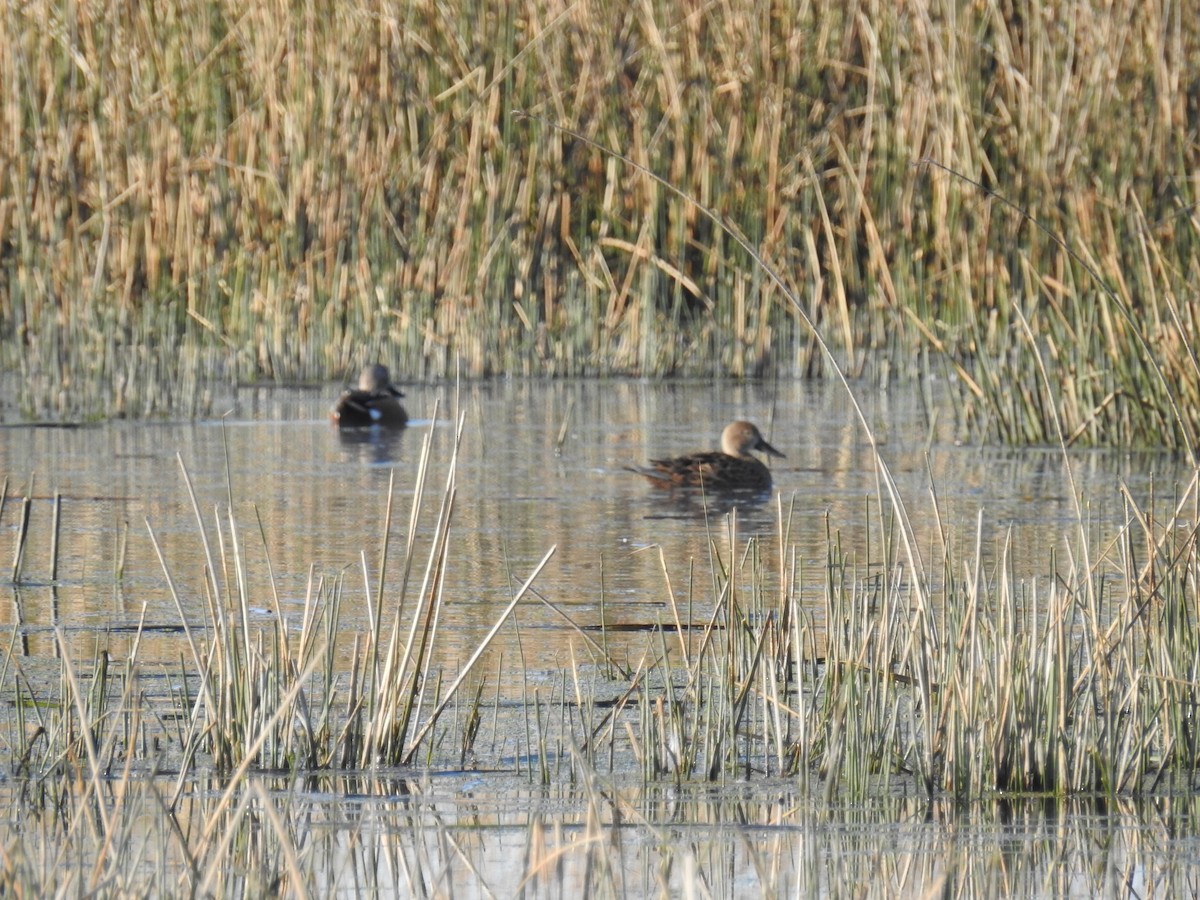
(208, 191)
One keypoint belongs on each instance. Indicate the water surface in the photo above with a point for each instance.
(541, 465)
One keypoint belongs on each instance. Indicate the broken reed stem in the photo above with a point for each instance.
(54, 536)
(479, 651)
(22, 535)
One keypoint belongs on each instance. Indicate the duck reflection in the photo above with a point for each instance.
(754, 508)
(372, 445)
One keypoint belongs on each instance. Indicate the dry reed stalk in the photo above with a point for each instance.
(254, 195)
(22, 536)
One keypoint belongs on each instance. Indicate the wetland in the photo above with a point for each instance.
(684, 694)
(952, 651)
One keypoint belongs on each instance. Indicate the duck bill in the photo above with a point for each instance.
(769, 450)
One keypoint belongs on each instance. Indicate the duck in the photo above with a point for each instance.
(732, 468)
(374, 402)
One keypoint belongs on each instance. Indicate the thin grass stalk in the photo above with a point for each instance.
(130, 672)
(1008, 674)
(385, 698)
(540, 728)
(719, 620)
(330, 615)
(603, 647)
(474, 658)
(595, 648)
(242, 597)
(584, 707)
(429, 640)
(526, 718)
(122, 546)
(211, 569)
(787, 582)
(437, 547)
(377, 611)
(510, 578)
(774, 735)
(419, 482)
(666, 744)
(880, 607)
(20, 744)
(374, 624)
(469, 730)
(1059, 682)
(183, 619)
(800, 741)
(110, 852)
(94, 784)
(641, 739)
(276, 606)
(263, 734)
(404, 664)
(197, 730)
(236, 713)
(350, 740)
(671, 602)
(741, 696)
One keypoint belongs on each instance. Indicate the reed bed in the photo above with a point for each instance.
(217, 194)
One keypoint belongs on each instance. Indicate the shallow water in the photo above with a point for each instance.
(541, 465)
(321, 498)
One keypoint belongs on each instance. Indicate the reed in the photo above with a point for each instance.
(1073, 683)
(201, 197)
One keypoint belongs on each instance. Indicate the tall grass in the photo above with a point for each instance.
(287, 195)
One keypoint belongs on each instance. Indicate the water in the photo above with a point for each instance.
(765, 840)
(541, 465)
(321, 497)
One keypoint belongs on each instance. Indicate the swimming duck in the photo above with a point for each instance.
(732, 468)
(373, 402)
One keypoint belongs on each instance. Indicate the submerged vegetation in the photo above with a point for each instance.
(224, 193)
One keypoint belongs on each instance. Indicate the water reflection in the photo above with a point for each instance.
(603, 834)
(753, 508)
(372, 446)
